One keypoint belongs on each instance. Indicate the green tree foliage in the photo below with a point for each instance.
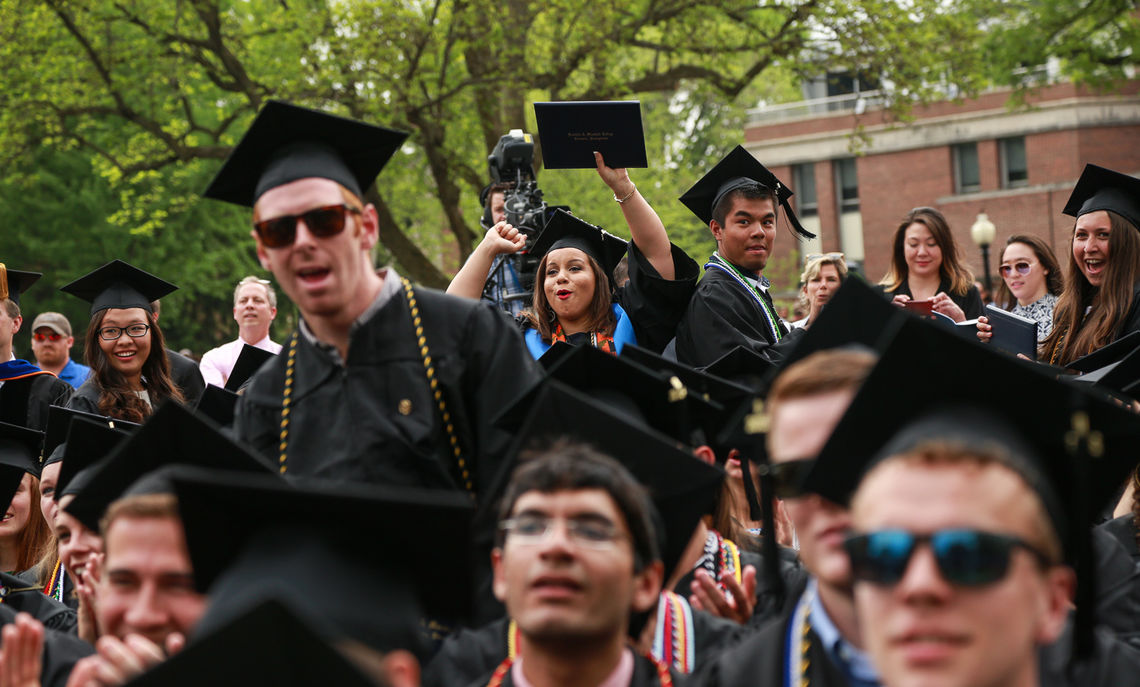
(127, 107)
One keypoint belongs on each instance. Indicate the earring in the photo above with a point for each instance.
(550, 314)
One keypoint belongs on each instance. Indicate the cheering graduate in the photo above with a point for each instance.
(577, 554)
(970, 514)
(1099, 303)
(926, 265)
(683, 490)
(817, 639)
(26, 391)
(575, 299)
(381, 382)
(737, 199)
(124, 346)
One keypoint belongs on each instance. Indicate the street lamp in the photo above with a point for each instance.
(983, 234)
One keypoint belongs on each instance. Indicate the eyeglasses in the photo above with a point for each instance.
(113, 333)
(788, 477)
(812, 257)
(1022, 268)
(591, 532)
(969, 558)
(322, 222)
(47, 337)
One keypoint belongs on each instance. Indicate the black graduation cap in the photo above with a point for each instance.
(218, 404)
(737, 170)
(564, 230)
(658, 399)
(248, 362)
(268, 645)
(59, 424)
(1103, 189)
(119, 285)
(1074, 448)
(173, 435)
(286, 143)
(15, 282)
(856, 314)
(743, 366)
(19, 450)
(88, 441)
(705, 383)
(366, 559)
(683, 487)
(1121, 376)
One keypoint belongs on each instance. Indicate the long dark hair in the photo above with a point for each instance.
(1054, 282)
(602, 319)
(951, 269)
(115, 398)
(1075, 334)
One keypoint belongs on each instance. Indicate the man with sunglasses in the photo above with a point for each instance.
(382, 381)
(817, 639)
(51, 344)
(970, 513)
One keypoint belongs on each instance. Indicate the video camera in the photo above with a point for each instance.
(512, 161)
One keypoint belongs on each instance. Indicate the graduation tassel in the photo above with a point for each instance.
(793, 220)
(756, 426)
(1084, 446)
(3, 282)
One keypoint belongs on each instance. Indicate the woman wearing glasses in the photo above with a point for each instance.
(1031, 283)
(1099, 302)
(124, 346)
(823, 273)
(926, 265)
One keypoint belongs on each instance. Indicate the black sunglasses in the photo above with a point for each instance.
(1021, 267)
(788, 477)
(322, 222)
(969, 558)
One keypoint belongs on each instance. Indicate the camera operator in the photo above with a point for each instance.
(507, 284)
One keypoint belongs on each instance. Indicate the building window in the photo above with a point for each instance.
(967, 178)
(846, 185)
(1014, 168)
(803, 176)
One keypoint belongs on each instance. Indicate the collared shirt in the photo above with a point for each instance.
(74, 374)
(390, 288)
(855, 664)
(504, 286)
(218, 363)
(621, 676)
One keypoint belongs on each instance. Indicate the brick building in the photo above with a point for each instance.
(1017, 165)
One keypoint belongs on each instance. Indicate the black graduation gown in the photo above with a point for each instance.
(1123, 529)
(186, 376)
(1114, 663)
(644, 675)
(1131, 322)
(970, 302)
(758, 659)
(25, 401)
(468, 655)
(19, 595)
(723, 315)
(654, 305)
(375, 420)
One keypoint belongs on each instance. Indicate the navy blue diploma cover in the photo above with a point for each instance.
(570, 132)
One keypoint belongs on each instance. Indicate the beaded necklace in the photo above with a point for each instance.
(429, 370)
(727, 267)
(673, 637)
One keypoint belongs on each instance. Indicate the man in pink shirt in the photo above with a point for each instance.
(255, 306)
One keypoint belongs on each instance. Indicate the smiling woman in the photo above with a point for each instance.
(124, 346)
(1102, 286)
